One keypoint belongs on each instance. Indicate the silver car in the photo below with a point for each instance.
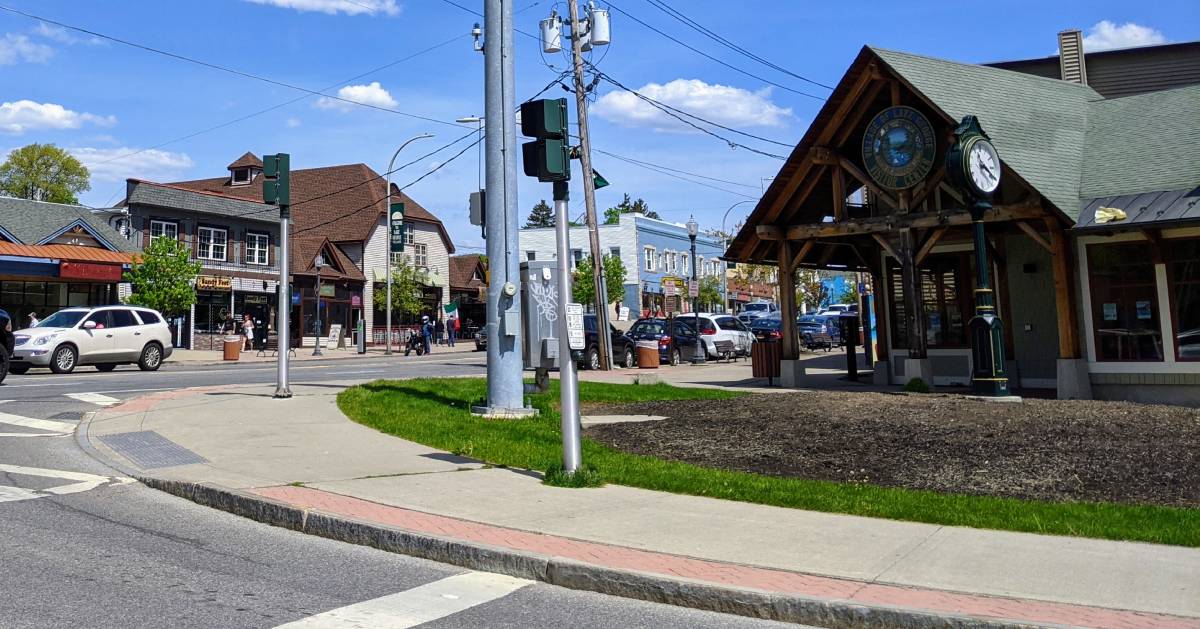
(105, 337)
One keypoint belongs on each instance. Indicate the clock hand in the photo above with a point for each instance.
(986, 169)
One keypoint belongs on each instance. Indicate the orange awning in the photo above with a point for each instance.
(66, 252)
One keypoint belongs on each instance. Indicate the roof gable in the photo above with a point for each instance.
(30, 222)
(84, 226)
(248, 160)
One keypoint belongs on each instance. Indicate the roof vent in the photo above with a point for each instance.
(1070, 57)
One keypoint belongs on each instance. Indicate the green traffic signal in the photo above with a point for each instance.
(548, 156)
(277, 179)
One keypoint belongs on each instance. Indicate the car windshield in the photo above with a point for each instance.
(62, 319)
(812, 320)
(755, 307)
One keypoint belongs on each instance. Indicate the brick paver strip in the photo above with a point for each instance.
(609, 556)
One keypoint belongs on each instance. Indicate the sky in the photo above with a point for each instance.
(127, 112)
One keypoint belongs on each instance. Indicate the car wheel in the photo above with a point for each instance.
(64, 359)
(676, 357)
(18, 369)
(591, 360)
(627, 359)
(106, 366)
(151, 358)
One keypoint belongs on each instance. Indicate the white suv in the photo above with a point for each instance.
(106, 336)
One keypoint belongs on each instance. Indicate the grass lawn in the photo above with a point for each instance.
(436, 412)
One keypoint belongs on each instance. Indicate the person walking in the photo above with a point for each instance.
(451, 330)
(33, 320)
(438, 329)
(426, 333)
(248, 333)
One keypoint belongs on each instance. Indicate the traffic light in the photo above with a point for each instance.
(277, 179)
(548, 156)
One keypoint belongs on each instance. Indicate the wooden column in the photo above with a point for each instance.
(789, 341)
(914, 302)
(879, 287)
(1064, 295)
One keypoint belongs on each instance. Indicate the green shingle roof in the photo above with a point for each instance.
(34, 221)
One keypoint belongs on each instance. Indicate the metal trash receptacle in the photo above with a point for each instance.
(647, 355)
(233, 347)
(764, 360)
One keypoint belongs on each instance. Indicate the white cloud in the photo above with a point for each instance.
(151, 164)
(23, 115)
(1106, 35)
(292, 123)
(371, 94)
(62, 35)
(333, 7)
(723, 104)
(15, 47)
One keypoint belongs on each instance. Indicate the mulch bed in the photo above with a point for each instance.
(1037, 449)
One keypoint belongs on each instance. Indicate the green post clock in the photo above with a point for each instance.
(973, 166)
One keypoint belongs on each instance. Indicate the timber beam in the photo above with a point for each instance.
(1033, 234)
(884, 224)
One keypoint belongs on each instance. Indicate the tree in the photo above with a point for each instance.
(542, 215)
(163, 277)
(406, 289)
(584, 291)
(709, 292)
(849, 294)
(811, 288)
(613, 214)
(43, 172)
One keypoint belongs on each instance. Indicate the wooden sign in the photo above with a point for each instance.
(212, 282)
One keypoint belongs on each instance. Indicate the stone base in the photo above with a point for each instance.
(918, 368)
(883, 373)
(791, 374)
(491, 412)
(994, 398)
(1074, 382)
(647, 378)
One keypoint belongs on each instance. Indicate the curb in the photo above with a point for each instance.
(655, 588)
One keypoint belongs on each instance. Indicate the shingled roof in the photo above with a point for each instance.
(247, 160)
(35, 222)
(462, 271)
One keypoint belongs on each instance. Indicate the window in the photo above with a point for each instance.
(683, 267)
(672, 262)
(257, 247)
(1124, 302)
(1183, 279)
(946, 293)
(615, 252)
(576, 258)
(477, 275)
(123, 319)
(409, 235)
(651, 259)
(148, 317)
(101, 318)
(531, 255)
(210, 243)
(163, 229)
(420, 256)
(397, 257)
(241, 176)
(700, 268)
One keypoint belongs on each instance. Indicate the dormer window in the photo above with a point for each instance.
(241, 176)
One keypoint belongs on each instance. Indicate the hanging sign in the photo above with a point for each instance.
(212, 282)
(396, 227)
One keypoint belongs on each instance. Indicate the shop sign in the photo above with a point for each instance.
(328, 290)
(89, 271)
(214, 283)
(256, 299)
(356, 301)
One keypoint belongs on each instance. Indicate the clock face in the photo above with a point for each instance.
(983, 167)
(898, 147)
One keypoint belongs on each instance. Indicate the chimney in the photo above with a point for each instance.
(1070, 57)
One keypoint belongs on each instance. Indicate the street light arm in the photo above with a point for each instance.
(388, 212)
(392, 162)
(723, 218)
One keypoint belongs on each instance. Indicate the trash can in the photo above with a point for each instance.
(647, 355)
(233, 347)
(764, 360)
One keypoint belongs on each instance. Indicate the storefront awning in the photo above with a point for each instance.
(66, 252)
(1160, 209)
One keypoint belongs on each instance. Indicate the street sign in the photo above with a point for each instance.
(396, 222)
(693, 288)
(575, 338)
(669, 289)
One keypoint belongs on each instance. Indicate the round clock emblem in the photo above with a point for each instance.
(898, 147)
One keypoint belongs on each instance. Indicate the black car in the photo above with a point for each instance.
(674, 337)
(820, 331)
(623, 347)
(767, 327)
(6, 343)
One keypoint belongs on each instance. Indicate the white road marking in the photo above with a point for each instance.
(51, 428)
(84, 482)
(93, 398)
(417, 606)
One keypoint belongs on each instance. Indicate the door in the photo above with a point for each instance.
(129, 335)
(98, 344)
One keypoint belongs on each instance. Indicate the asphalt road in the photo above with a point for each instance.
(107, 552)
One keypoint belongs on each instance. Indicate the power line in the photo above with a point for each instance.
(667, 172)
(708, 56)
(652, 165)
(221, 68)
(696, 26)
(478, 14)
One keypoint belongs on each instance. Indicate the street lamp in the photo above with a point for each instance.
(387, 351)
(698, 354)
(725, 236)
(478, 148)
(320, 264)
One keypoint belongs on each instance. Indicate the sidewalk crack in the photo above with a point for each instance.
(875, 579)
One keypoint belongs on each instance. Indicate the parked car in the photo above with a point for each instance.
(623, 348)
(754, 310)
(767, 328)
(481, 339)
(837, 309)
(820, 331)
(6, 343)
(731, 330)
(104, 336)
(671, 336)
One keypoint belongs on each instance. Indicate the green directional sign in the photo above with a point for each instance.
(396, 227)
(598, 180)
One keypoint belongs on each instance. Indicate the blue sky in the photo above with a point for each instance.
(104, 100)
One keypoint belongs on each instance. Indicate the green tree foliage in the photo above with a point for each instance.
(584, 290)
(43, 172)
(709, 293)
(849, 295)
(542, 215)
(163, 277)
(613, 214)
(810, 289)
(406, 289)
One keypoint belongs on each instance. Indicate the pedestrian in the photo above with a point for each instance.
(33, 320)
(426, 333)
(438, 329)
(248, 331)
(452, 330)
(228, 327)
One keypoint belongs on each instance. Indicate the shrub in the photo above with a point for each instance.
(586, 476)
(917, 385)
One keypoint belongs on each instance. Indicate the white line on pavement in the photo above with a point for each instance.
(39, 424)
(417, 606)
(93, 398)
(84, 482)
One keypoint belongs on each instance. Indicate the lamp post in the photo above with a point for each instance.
(698, 354)
(387, 351)
(320, 264)
(725, 236)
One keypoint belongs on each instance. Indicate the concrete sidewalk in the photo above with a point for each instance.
(216, 357)
(300, 463)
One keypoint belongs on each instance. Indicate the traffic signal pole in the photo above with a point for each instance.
(567, 376)
(277, 190)
(589, 192)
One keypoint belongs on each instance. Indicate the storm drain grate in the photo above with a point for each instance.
(150, 450)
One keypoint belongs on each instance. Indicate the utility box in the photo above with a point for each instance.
(539, 314)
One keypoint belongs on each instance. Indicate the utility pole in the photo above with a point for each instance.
(567, 376)
(589, 190)
(505, 389)
(277, 191)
